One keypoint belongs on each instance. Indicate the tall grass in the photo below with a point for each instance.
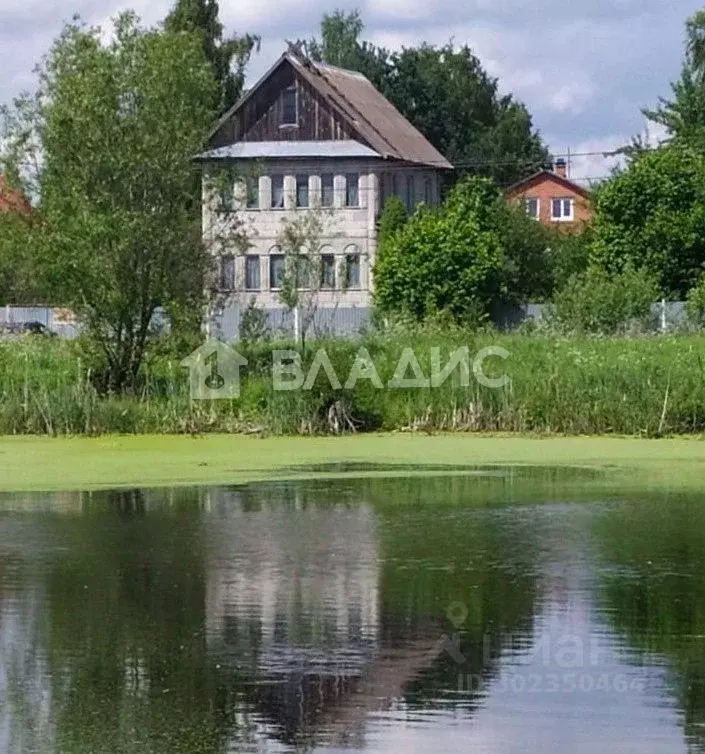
(641, 386)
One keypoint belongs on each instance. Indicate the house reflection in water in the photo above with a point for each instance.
(292, 597)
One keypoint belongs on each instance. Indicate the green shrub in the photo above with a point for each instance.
(568, 255)
(254, 325)
(446, 260)
(695, 305)
(598, 303)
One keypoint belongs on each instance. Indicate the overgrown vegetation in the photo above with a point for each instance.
(598, 303)
(644, 386)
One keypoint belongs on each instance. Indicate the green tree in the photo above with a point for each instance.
(305, 276)
(695, 305)
(446, 261)
(568, 255)
(340, 45)
(652, 216)
(447, 94)
(17, 274)
(683, 115)
(695, 41)
(393, 218)
(228, 56)
(117, 125)
(450, 98)
(526, 253)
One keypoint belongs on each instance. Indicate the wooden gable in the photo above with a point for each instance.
(259, 118)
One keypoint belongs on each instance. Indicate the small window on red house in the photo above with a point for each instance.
(532, 207)
(562, 210)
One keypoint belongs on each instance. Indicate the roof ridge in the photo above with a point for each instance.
(392, 151)
(340, 69)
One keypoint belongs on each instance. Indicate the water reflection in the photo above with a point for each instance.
(372, 615)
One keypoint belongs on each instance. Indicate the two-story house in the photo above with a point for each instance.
(553, 199)
(312, 137)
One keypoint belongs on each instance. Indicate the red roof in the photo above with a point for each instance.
(566, 183)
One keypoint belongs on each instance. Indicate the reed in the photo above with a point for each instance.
(643, 386)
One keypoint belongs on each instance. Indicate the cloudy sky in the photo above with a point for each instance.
(583, 69)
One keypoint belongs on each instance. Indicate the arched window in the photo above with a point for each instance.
(353, 279)
(327, 267)
(277, 268)
(227, 273)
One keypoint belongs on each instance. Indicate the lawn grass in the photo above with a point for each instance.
(81, 463)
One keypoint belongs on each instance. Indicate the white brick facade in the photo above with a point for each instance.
(349, 230)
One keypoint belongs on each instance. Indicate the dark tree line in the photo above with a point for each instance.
(447, 94)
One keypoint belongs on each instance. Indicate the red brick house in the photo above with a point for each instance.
(553, 199)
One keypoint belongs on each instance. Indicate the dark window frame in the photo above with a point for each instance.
(348, 186)
(227, 263)
(358, 264)
(286, 108)
(330, 179)
(277, 256)
(283, 191)
(302, 183)
(256, 261)
(328, 265)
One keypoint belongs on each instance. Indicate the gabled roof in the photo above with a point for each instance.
(377, 122)
(566, 183)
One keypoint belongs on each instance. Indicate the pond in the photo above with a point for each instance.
(484, 611)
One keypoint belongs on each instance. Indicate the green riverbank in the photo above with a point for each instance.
(41, 463)
(640, 387)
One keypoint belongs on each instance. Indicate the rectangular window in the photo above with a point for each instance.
(532, 207)
(327, 190)
(277, 270)
(327, 271)
(302, 190)
(252, 273)
(352, 190)
(410, 193)
(289, 107)
(226, 198)
(303, 272)
(352, 271)
(427, 192)
(252, 187)
(562, 210)
(277, 192)
(227, 273)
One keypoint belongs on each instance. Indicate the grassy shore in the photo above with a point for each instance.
(644, 387)
(40, 463)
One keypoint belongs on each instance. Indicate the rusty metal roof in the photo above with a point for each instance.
(372, 116)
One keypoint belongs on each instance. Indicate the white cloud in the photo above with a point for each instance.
(584, 70)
